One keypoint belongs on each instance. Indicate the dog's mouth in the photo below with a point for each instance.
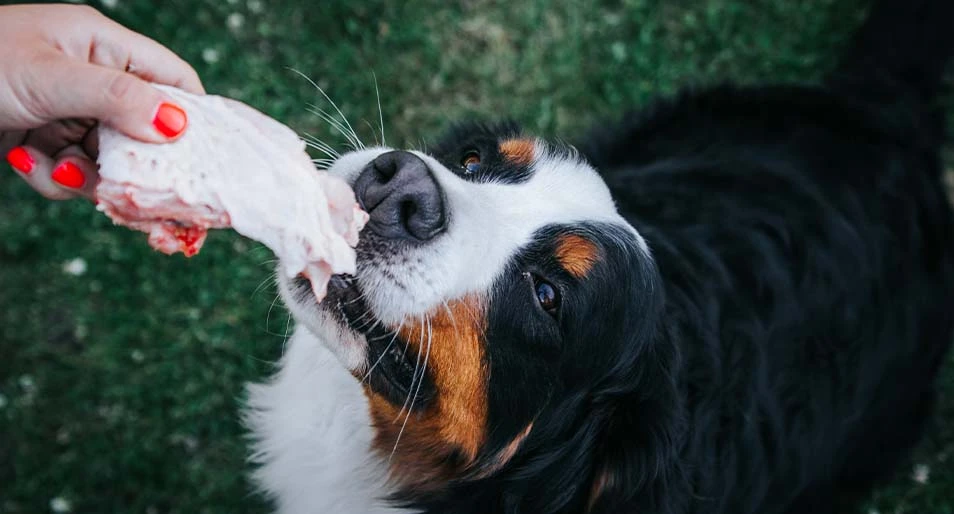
(345, 301)
(391, 370)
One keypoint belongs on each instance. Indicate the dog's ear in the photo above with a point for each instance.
(618, 447)
(637, 467)
(601, 450)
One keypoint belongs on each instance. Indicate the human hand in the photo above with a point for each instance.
(65, 69)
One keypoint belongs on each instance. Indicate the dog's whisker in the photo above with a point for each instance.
(374, 132)
(386, 349)
(417, 365)
(364, 315)
(367, 375)
(310, 144)
(413, 397)
(288, 320)
(450, 315)
(320, 145)
(353, 140)
(333, 104)
(313, 142)
(318, 141)
(377, 94)
(270, 280)
(427, 353)
(268, 314)
(334, 123)
(327, 155)
(323, 164)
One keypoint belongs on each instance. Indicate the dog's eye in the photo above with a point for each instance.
(548, 297)
(471, 162)
(547, 294)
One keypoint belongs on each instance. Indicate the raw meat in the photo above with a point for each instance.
(234, 167)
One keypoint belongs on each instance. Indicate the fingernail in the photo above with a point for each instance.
(170, 120)
(21, 160)
(68, 175)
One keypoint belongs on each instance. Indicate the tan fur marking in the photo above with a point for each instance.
(518, 151)
(603, 481)
(576, 254)
(444, 440)
(504, 455)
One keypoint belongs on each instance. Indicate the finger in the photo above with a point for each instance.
(114, 46)
(126, 50)
(76, 172)
(118, 99)
(54, 137)
(36, 169)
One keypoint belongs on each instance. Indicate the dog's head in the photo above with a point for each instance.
(499, 301)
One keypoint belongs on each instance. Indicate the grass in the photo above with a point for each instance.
(120, 385)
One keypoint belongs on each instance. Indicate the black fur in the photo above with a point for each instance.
(482, 138)
(777, 353)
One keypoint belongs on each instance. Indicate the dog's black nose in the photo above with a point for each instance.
(402, 197)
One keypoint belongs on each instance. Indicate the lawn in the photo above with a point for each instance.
(121, 370)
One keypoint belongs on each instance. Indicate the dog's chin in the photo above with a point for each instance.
(336, 321)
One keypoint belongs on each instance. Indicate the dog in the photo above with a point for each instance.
(736, 301)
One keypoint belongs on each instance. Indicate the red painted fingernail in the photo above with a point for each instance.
(170, 120)
(69, 175)
(21, 160)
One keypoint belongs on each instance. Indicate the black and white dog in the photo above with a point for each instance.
(735, 302)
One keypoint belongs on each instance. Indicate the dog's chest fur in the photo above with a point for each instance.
(312, 436)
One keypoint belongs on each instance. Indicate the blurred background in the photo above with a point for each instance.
(122, 370)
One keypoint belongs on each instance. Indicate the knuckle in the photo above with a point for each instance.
(121, 89)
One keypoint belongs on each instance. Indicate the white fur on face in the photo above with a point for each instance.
(488, 222)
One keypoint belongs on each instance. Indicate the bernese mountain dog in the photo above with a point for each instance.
(735, 302)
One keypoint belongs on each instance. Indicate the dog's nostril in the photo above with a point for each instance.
(385, 170)
(402, 197)
(408, 210)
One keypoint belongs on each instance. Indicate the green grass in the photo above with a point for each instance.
(119, 388)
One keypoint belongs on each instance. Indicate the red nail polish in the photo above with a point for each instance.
(21, 160)
(170, 120)
(68, 175)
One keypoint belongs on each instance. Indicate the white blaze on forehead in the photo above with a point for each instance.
(488, 223)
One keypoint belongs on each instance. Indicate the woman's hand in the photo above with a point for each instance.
(63, 70)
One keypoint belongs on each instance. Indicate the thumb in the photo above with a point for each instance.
(115, 98)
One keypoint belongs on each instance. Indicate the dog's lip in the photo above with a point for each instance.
(343, 299)
(341, 284)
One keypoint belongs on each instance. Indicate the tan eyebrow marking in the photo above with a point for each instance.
(518, 151)
(576, 254)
